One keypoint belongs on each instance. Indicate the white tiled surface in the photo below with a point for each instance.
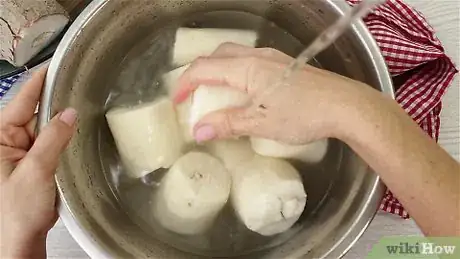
(444, 15)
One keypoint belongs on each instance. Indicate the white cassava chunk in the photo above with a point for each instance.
(183, 113)
(170, 79)
(147, 136)
(192, 193)
(183, 109)
(313, 152)
(267, 194)
(232, 152)
(27, 27)
(204, 100)
(207, 99)
(192, 43)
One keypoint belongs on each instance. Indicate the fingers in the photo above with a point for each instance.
(243, 73)
(225, 123)
(11, 154)
(8, 158)
(229, 50)
(229, 65)
(42, 159)
(220, 71)
(14, 136)
(21, 109)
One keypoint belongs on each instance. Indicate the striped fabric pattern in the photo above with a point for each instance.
(410, 47)
(6, 84)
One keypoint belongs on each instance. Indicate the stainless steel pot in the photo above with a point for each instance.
(343, 192)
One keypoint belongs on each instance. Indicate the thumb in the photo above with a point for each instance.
(42, 159)
(223, 124)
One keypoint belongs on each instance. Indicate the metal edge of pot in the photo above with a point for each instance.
(44, 115)
(361, 223)
(78, 233)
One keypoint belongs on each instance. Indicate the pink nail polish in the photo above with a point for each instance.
(68, 116)
(205, 133)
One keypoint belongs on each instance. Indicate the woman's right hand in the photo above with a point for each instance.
(310, 106)
(315, 104)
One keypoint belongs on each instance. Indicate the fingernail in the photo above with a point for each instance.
(68, 116)
(205, 133)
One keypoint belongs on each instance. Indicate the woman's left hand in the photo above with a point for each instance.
(27, 167)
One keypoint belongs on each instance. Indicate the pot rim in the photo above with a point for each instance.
(92, 247)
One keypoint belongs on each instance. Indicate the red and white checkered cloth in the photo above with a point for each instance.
(412, 52)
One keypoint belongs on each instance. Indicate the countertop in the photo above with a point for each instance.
(444, 16)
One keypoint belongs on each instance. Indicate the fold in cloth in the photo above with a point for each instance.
(420, 69)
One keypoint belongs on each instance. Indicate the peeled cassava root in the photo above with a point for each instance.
(202, 101)
(310, 153)
(231, 152)
(28, 26)
(185, 51)
(192, 194)
(207, 99)
(267, 195)
(199, 42)
(183, 109)
(171, 78)
(147, 136)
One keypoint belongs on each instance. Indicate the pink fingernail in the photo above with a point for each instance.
(68, 116)
(205, 133)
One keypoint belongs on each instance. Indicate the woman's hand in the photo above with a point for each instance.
(308, 107)
(316, 104)
(27, 167)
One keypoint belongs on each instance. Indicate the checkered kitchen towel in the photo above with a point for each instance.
(414, 54)
(6, 84)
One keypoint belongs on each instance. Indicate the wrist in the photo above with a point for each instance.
(358, 107)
